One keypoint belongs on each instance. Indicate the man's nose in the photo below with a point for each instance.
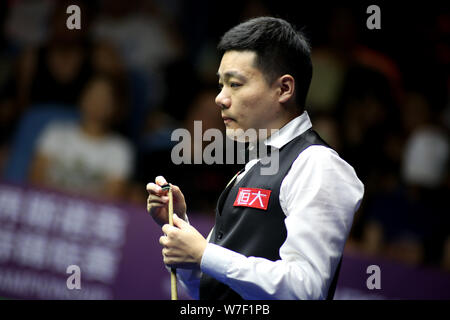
(223, 100)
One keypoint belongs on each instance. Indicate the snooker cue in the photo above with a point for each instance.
(173, 273)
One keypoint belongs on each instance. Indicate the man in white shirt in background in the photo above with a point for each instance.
(278, 236)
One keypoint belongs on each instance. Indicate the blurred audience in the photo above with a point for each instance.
(57, 71)
(143, 35)
(383, 105)
(48, 63)
(87, 158)
(394, 139)
(26, 23)
(328, 129)
(410, 223)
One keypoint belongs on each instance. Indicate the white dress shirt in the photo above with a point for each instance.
(319, 196)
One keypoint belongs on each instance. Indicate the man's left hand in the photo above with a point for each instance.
(183, 245)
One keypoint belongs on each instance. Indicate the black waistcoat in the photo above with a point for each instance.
(252, 231)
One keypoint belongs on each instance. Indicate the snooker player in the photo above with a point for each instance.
(278, 236)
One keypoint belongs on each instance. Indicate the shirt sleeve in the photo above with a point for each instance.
(319, 196)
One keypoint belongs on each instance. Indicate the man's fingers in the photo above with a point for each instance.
(166, 257)
(178, 222)
(168, 229)
(163, 241)
(160, 181)
(154, 201)
(157, 199)
(176, 191)
(151, 206)
(153, 188)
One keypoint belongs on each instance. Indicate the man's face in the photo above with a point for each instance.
(246, 99)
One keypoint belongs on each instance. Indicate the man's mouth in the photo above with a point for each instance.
(227, 119)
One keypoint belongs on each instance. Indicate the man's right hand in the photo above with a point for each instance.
(158, 201)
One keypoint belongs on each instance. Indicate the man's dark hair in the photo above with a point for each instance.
(280, 50)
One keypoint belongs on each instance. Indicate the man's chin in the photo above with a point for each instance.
(240, 135)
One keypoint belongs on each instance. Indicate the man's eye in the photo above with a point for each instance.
(220, 87)
(234, 84)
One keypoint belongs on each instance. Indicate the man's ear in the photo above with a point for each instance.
(286, 85)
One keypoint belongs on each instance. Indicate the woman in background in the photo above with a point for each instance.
(87, 157)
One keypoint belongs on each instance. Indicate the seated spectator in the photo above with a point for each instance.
(87, 158)
(410, 223)
(144, 36)
(56, 71)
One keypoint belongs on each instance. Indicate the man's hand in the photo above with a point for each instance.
(183, 245)
(158, 201)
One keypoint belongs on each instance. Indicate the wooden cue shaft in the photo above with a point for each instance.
(173, 274)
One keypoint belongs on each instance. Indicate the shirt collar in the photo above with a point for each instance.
(289, 131)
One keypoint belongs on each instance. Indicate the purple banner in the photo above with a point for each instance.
(396, 281)
(117, 251)
(116, 247)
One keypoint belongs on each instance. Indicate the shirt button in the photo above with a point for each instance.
(220, 235)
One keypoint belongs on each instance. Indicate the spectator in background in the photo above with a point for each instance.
(57, 71)
(87, 158)
(370, 133)
(368, 125)
(409, 222)
(339, 55)
(48, 63)
(143, 35)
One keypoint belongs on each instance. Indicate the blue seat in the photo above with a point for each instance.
(28, 131)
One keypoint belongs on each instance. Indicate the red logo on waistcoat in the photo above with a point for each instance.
(253, 198)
